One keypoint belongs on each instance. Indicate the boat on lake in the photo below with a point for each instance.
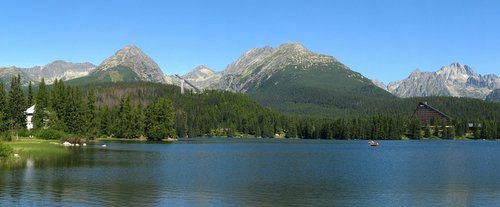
(373, 143)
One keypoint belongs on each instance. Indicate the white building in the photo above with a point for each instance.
(29, 117)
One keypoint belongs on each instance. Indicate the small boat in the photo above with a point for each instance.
(373, 143)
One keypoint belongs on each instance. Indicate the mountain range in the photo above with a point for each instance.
(55, 70)
(453, 80)
(289, 75)
(257, 64)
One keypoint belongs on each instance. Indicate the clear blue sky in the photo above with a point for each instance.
(382, 39)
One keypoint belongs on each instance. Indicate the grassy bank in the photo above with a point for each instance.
(37, 148)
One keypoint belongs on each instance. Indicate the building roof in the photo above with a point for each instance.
(432, 108)
(30, 110)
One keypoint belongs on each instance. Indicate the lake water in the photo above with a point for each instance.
(262, 172)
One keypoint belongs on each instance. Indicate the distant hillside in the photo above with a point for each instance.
(328, 90)
(115, 74)
(457, 108)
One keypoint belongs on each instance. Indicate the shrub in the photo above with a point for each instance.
(23, 132)
(50, 134)
(5, 150)
(6, 136)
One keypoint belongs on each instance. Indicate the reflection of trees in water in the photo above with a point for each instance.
(91, 177)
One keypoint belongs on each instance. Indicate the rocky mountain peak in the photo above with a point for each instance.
(416, 72)
(55, 63)
(61, 65)
(456, 72)
(292, 47)
(134, 58)
(203, 70)
(259, 64)
(199, 72)
(249, 58)
(202, 77)
(259, 51)
(130, 54)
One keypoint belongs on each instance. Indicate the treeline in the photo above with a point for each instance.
(66, 112)
(219, 113)
(156, 111)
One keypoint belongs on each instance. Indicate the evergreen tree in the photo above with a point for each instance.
(460, 128)
(291, 129)
(17, 104)
(181, 124)
(138, 123)
(58, 103)
(485, 130)
(3, 108)
(91, 118)
(159, 123)
(498, 131)
(30, 94)
(414, 131)
(488, 130)
(42, 103)
(73, 110)
(477, 132)
(106, 122)
(450, 131)
(427, 132)
(436, 124)
(55, 122)
(444, 134)
(125, 119)
(267, 127)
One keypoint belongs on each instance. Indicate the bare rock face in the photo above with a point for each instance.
(169, 79)
(132, 57)
(202, 77)
(454, 80)
(418, 84)
(259, 64)
(60, 70)
(6, 74)
(494, 95)
(379, 84)
(56, 70)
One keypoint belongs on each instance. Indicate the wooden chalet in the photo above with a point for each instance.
(427, 114)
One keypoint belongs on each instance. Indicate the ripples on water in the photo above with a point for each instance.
(262, 172)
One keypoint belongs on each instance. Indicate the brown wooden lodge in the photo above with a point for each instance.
(429, 115)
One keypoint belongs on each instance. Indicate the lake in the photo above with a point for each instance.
(261, 172)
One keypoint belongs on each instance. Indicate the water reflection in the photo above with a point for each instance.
(252, 173)
(88, 177)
